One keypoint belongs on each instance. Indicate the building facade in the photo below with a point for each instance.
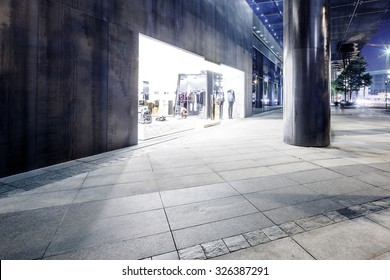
(70, 69)
(380, 82)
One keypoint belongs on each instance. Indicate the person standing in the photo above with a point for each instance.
(231, 98)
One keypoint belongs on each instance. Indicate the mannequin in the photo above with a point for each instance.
(231, 98)
(220, 101)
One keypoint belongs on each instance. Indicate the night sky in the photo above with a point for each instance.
(375, 55)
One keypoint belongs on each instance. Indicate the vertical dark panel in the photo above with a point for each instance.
(72, 103)
(91, 83)
(56, 89)
(122, 88)
(94, 8)
(18, 56)
(135, 15)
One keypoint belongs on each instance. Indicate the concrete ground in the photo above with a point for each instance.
(232, 191)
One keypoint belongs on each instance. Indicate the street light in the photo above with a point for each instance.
(387, 52)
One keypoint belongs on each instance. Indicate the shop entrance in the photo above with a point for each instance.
(179, 90)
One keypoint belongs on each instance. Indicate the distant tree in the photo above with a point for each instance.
(340, 84)
(333, 90)
(367, 81)
(353, 77)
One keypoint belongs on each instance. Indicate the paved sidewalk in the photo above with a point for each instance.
(233, 191)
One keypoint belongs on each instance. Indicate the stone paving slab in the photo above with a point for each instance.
(336, 216)
(226, 228)
(113, 207)
(188, 181)
(312, 176)
(177, 163)
(282, 249)
(71, 183)
(333, 163)
(192, 253)
(385, 256)
(376, 179)
(262, 184)
(291, 228)
(303, 210)
(133, 249)
(23, 176)
(350, 240)
(19, 203)
(197, 194)
(241, 164)
(354, 170)
(236, 243)
(282, 197)
(223, 159)
(277, 159)
(26, 235)
(5, 190)
(293, 167)
(246, 173)
(126, 167)
(31, 183)
(215, 249)
(382, 218)
(205, 212)
(115, 191)
(337, 186)
(385, 203)
(75, 235)
(274, 232)
(77, 169)
(256, 237)
(168, 256)
(183, 170)
(385, 166)
(361, 196)
(314, 222)
(111, 179)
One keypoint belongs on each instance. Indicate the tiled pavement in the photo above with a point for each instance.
(233, 191)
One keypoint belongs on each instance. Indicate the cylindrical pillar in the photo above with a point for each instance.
(306, 80)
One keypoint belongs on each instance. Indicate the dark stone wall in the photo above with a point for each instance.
(69, 69)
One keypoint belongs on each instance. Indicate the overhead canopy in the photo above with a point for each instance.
(353, 23)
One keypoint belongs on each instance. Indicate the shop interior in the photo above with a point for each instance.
(179, 90)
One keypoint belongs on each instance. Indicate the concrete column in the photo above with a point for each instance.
(306, 72)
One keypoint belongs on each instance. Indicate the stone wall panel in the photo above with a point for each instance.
(122, 88)
(18, 62)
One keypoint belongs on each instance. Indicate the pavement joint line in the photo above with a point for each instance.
(352, 212)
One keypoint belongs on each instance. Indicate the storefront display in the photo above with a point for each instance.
(179, 85)
(200, 94)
